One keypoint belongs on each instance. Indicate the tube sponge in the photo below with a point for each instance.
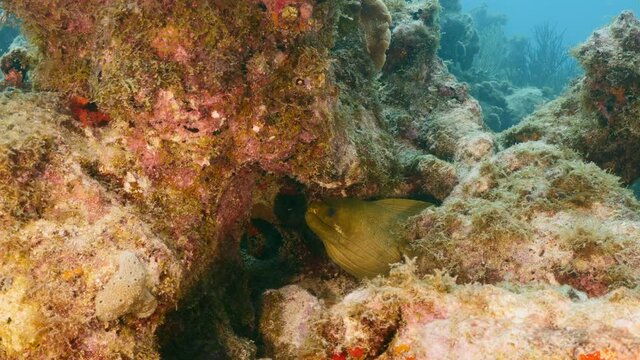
(376, 20)
(126, 292)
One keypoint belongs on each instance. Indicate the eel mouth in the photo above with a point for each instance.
(313, 220)
(325, 232)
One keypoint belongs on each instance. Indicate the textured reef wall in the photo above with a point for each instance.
(532, 213)
(126, 189)
(73, 253)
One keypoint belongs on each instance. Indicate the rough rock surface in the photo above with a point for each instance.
(376, 21)
(127, 292)
(534, 213)
(59, 229)
(405, 317)
(524, 101)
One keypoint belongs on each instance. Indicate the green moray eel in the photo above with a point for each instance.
(362, 237)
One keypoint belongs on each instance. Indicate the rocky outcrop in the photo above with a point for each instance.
(553, 238)
(61, 230)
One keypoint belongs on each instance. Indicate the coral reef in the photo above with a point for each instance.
(376, 21)
(16, 63)
(546, 61)
(151, 197)
(160, 140)
(503, 105)
(59, 229)
(533, 213)
(498, 67)
(492, 96)
(426, 106)
(524, 101)
(460, 41)
(598, 115)
(541, 60)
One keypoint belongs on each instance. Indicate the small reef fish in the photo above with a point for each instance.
(362, 237)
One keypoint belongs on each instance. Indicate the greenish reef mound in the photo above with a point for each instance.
(156, 158)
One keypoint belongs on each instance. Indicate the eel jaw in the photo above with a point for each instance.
(324, 231)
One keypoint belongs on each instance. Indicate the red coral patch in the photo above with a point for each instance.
(87, 112)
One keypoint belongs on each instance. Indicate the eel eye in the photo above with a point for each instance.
(331, 211)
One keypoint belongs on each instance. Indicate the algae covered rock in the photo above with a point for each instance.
(534, 213)
(203, 101)
(376, 21)
(458, 135)
(212, 110)
(288, 320)
(404, 316)
(524, 101)
(60, 229)
(439, 124)
(22, 318)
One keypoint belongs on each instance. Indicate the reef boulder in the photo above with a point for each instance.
(534, 213)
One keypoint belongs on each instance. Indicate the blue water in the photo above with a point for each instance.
(579, 17)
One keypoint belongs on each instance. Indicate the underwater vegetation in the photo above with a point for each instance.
(157, 160)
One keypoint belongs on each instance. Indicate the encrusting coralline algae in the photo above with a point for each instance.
(407, 317)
